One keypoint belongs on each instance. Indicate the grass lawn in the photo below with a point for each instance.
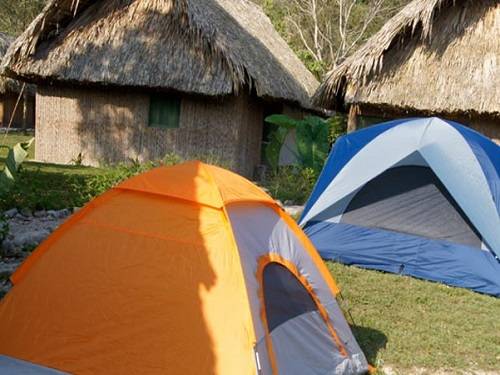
(51, 186)
(13, 138)
(400, 322)
(406, 323)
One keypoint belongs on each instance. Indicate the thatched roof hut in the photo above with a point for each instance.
(190, 49)
(10, 89)
(211, 47)
(433, 57)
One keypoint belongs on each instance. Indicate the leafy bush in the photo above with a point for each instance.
(49, 187)
(338, 127)
(290, 184)
(314, 137)
(15, 157)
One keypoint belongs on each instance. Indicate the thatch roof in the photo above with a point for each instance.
(434, 56)
(7, 84)
(208, 47)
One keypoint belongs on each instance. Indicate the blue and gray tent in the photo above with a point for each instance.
(418, 197)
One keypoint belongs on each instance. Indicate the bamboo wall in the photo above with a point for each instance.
(486, 125)
(109, 126)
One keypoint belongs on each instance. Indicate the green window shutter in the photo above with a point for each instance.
(164, 111)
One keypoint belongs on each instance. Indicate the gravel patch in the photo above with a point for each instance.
(26, 231)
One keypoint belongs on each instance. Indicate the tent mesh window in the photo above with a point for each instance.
(164, 111)
(411, 200)
(284, 296)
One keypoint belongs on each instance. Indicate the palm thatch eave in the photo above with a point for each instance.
(215, 47)
(435, 56)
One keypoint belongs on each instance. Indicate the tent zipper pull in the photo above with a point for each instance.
(257, 361)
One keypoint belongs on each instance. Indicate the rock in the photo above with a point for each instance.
(6, 269)
(50, 227)
(24, 254)
(25, 212)
(294, 211)
(76, 209)
(40, 214)
(52, 213)
(5, 286)
(26, 232)
(61, 214)
(29, 239)
(9, 249)
(11, 213)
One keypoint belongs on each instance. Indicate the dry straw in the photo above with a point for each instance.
(209, 47)
(435, 56)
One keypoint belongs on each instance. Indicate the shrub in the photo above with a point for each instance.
(290, 184)
(48, 187)
(313, 135)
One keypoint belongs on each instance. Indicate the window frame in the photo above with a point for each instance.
(164, 111)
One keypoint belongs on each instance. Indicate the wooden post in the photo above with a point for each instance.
(352, 118)
(25, 111)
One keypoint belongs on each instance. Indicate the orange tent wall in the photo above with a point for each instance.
(145, 279)
(137, 283)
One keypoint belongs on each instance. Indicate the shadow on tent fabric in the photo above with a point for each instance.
(370, 340)
(124, 286)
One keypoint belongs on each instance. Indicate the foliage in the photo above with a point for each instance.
(338, 127)
(292, 184)
(78, 160)
(312, 142)
(49, 186)
(14, 138)
(15, 157)
(324, 32)
(282, 125)
(16, 15)
(312, 138)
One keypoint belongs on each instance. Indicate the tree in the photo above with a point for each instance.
(324, 32)
(16, 15)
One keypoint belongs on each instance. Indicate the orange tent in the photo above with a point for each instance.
(182, 270)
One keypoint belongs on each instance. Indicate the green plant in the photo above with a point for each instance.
(312, 142)
(46, 186)
(312, 139)
(290, 183)
(15, 157)
(283, 125)
(318, 68)
(172, 158)
(338, 127)
(77, 160)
